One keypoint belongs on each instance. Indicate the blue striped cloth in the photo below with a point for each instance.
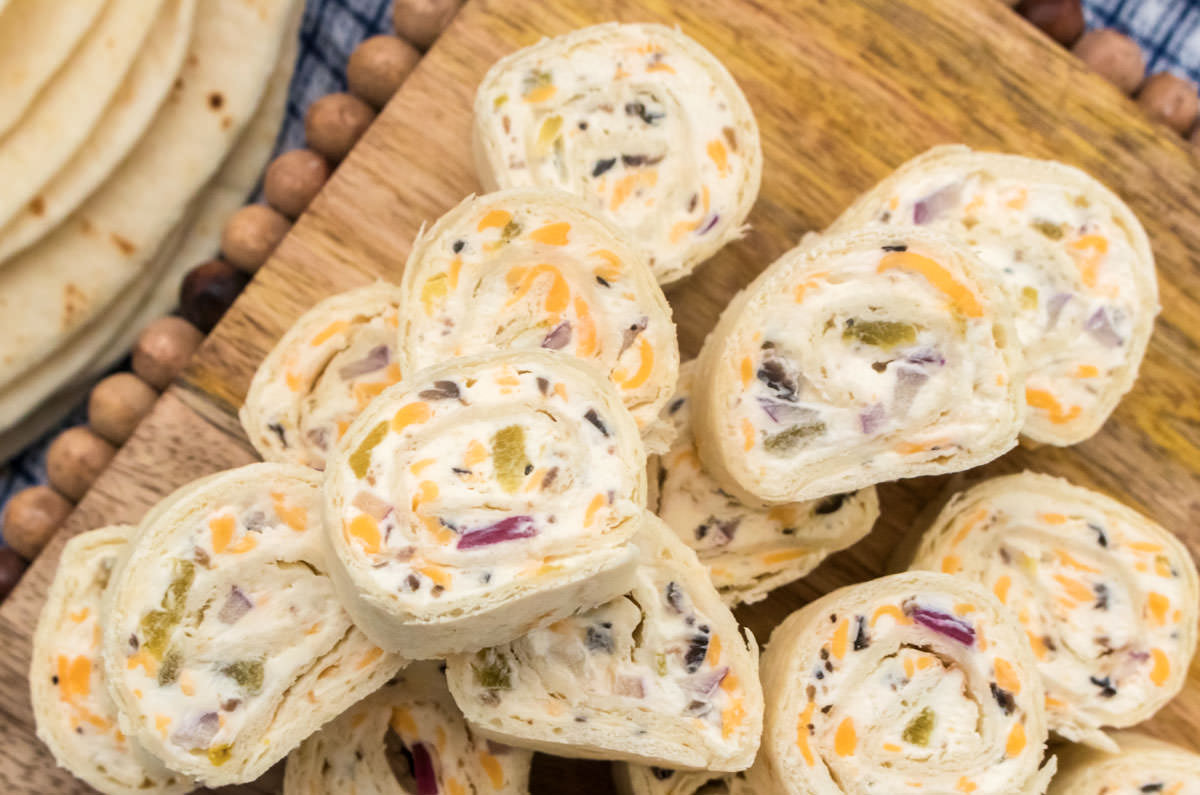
(1168, 31)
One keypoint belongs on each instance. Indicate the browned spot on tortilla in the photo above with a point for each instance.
(86, 227)
(37, 205)
(192, 60)
(226, 122)
(74, 303)
(126, 247)
(216, 100)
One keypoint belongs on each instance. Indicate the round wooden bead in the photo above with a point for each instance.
(117, 404)
(293, 179)
(378, 66)
(1114, 56)
(251, 234)
(31, 518)
(335, 122)
(1171, 100)
(163, 348)
(422, 21)
(75, 459)
(11, 568)
(1061, 20)
(208, 290)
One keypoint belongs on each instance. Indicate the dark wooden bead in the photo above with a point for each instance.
(335, 122)
(11, 569)
(1061, 20)
(75, 459)
(208, 290)
(378, 66)
(31, 518)
(293, 179)
(1114, 56)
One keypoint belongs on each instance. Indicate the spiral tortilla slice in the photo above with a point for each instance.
(75, 716)
(352, 754)
(1074, 255)
(477, 501)
(322, 373)
(858, 359)
(1109, 599)
(645, 780)
(641, 122)
(749, 551)
(1142, 766)
(224, 644)
(915, 678)
(659, 676)
(530, 269)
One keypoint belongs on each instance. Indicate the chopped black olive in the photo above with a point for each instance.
(1101, 596)
(603, 282)
(660, 774)
(442, 390)
(1003, 698)
(831, 504)
(1101, 538)
(696, 652)
(777, 378)
(1106, 687)
(528, 468)
(825, 709)
(639, 109)
(861, 639)
(676, 405)
(460, 471)
(633, 161)
(458, 246)
(592, 417)
(54, 680)
(603, 165)
(1152, 787)
(599, 638)
(277, 429)
(675, 596)
(899, 247)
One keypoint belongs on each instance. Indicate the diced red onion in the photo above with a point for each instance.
(872, 418)
(711, 223)
(789, 413)
(1099, 325)
(376, 359)
(371, 505)
(507, 529)
(707, 683)
(908, 384)
(1054, 307)
(558, 337)
(945, 624)
(631, 686)
(926, 356)
(936, 203)
(237, 604)
(198, 733)
(423, 771)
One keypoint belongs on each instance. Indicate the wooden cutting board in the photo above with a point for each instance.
(844, 90)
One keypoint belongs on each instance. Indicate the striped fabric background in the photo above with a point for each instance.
(1168, 31)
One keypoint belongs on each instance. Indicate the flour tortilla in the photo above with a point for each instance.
(35, 38)
(58, 287)
(62, 116)
(130, 112)
(97, 347)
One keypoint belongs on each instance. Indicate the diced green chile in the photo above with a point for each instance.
(168, 672)
(1048, 228)
(786, 441)
(360, 459)
(492, 670)
(508, 453)
(247, 673)
(919, 728)
(156, 626)
(884, 334)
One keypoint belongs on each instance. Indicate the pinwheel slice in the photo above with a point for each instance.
(335, 359)
(857, 359)
(224, 644)
(1071, 252)
(659, 676)
(1109, 599)
(645, 780)
(912, 682)
(477, 501)
(534, 269)
(440, 756)
(1142, 766)
(640, 121)
(749, 551)
(75, 716)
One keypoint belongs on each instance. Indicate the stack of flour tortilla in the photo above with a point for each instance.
(129, 130)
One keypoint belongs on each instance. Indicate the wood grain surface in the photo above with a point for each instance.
(844, 90)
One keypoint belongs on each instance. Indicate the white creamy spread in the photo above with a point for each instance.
(1066, 259)
(642, 123)
(889, 353)
(517, 270)
(507, 474)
